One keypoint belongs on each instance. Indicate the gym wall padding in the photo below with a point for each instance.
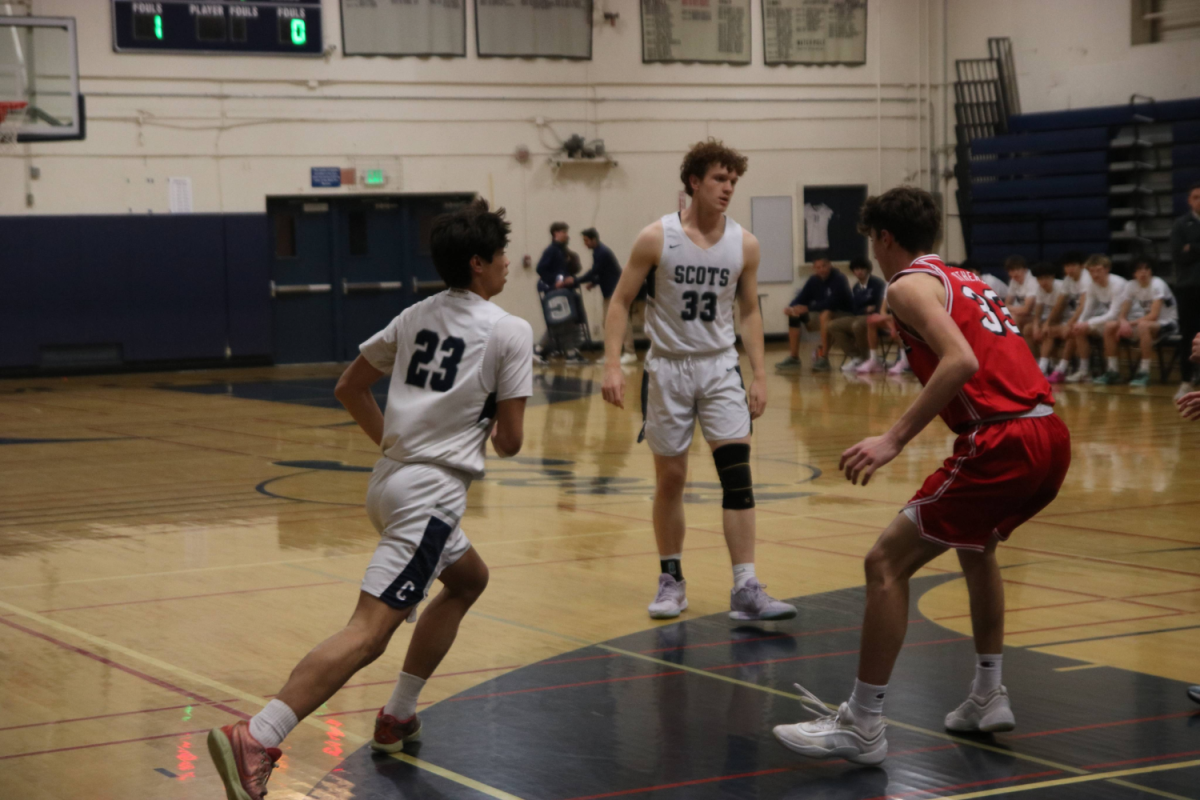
(159, 288)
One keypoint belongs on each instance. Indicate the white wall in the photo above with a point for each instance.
(246, 127)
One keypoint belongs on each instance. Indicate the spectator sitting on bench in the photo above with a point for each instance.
(553, 268)
(1021, 289)
(1075, 283)
(850, 333)
(1100, 306)
(1043, 323)
(1148, 310)
(824, 297)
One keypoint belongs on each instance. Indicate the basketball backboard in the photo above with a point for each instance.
(39, 65)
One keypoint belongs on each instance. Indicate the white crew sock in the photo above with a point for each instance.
(1043, 364)
(1144, 367)
(1063, 366)
(272, 725)
(742, 574)
(874, 354)
(403, 702)
(1113, 364)
(987, 674)
(867, 704)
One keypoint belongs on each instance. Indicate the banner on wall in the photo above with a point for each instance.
(404, 27)
(819, 32)
(532, 28)
(709, 31)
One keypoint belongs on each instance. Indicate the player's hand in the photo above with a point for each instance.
(1189, 405)
(499, 451)
(1079, 328)
(1125, 330)
(614, 386)
(864, 458)
(758, 397)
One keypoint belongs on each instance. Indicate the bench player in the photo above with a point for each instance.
(699, 262)
(461, 366)
(1009, 461)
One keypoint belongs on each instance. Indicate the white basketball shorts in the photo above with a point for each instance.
(678, 391)
(416, 508)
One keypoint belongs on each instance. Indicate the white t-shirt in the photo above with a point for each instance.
(1045, 300)
(1018, 293)
(1075, 290)
(816, 226)
(452, 357)
(998, 286)
(1103, 302)
(1143, 298)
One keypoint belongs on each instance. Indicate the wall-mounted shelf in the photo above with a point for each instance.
(558, 162)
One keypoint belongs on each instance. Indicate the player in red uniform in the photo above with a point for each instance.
(1009, 461)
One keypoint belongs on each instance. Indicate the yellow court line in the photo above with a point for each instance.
(1098, 776)
(193, 677)
(1078, 666)
(1148, 790)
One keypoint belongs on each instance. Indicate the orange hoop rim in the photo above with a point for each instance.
(10, 105)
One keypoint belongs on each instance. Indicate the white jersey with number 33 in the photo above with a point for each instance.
(690, 308)
(452, 357)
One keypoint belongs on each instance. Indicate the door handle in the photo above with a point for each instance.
(300, 288)
(371, 286)
(421, 287)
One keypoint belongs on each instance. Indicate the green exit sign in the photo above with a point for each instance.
(374, 177)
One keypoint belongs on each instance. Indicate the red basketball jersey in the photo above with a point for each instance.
(1008, 382)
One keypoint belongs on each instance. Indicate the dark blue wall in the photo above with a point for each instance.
(161, 288)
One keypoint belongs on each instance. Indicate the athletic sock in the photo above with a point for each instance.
(742, 573)
(672, 566)
(1144, 367)
(1113, 364)
(272, 725)
(874, 354)
(1063, 366)
(403, 702)
(1043, 364)
(987, 674)
(867, 705)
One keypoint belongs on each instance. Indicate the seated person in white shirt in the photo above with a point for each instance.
(1101, 305)
(1020, 290)
(1044, 324)
(1148, 310)
(1075, 283)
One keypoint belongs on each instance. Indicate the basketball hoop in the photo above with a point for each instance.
(12, 115)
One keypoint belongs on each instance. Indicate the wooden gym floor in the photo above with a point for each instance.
(171, 544)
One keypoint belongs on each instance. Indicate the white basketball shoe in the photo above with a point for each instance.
(671, 599)
(833, 735)
(991, 714)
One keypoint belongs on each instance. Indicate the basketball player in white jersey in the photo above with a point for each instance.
(460, 367)
(699, 262)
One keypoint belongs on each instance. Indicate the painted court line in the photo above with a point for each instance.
(1098, 776)
(223, 688)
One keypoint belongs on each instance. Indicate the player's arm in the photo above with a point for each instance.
(1155, 310)
(513, 340)
(1056, 313)
(509, 433)
(920, 301)
(353, 390)
(752, 324)
(646, 250)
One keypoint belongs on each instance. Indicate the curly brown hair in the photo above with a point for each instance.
(910, 214)
(705, 154)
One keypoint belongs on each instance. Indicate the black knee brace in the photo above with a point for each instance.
(733, 468)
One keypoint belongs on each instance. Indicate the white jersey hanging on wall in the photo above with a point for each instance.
(690, 308)
(816, 226)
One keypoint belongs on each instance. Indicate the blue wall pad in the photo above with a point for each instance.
(248, 278)
(1186, 131)
(1061, 164)
(1185, 155)
(1072, 208)
(1166, 111)
(1060, 141)
(1042, 187)
(1184, 179)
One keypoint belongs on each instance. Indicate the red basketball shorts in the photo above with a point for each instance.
(999, 477)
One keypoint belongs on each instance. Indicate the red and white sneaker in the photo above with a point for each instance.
(243, 763)
(392, 734)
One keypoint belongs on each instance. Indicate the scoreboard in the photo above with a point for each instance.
(261, 27)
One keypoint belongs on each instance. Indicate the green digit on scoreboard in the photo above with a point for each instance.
(299, 32)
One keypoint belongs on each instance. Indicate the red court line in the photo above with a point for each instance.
(1106, 561)
(938, 789)
(596, 558)
(130, 670)
(1121, 508)
(766, 638)
(189, 597)
(431, 677)
(1142, 760)
(104, 744)
(1057, 731)
(828, 655)
(1160, 594)
(372, 709)
(1114, 533)
(856, 556)
(566, 686)
(571, 660)
(1090, 624)
(1029, 608)
(108, 716)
